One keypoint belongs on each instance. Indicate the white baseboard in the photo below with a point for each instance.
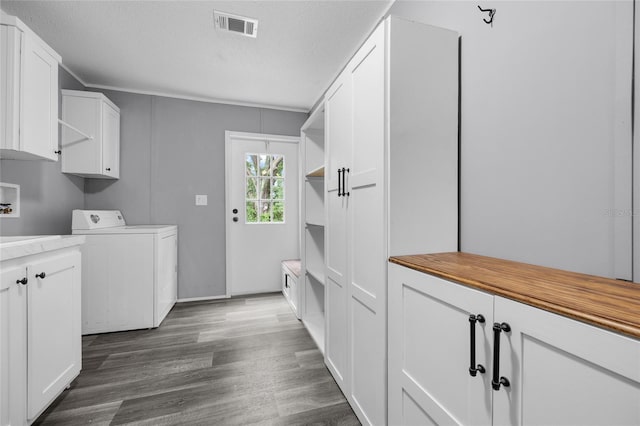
(199, 299)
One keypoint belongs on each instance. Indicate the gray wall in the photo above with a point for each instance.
(46, 195)
(172, 150)
(545, 130)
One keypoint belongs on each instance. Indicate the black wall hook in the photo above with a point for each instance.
(492, 13)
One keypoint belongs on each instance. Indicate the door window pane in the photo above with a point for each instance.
(264, 188)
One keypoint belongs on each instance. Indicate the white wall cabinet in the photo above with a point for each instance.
(29, 103)
(391, 188)
(311, 292)
(98, 155)
(40, 338)
(560, 371)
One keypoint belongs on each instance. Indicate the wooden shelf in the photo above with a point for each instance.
(316, 173)
(604, 302)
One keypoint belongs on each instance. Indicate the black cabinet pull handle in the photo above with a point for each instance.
(497, 380)
(41, 275)
(339, 191)
(344, 173)
(23, 281)
(473, 368)
(108, 169)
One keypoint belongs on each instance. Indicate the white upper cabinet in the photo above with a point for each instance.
(29, 102)
(91, 138)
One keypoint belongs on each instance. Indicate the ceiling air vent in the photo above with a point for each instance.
(235, 24)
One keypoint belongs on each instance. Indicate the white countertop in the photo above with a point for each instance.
(20, 246)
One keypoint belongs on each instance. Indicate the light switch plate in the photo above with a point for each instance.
(201, 200)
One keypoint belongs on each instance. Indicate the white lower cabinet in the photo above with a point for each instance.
(559, 371)
(40, 339)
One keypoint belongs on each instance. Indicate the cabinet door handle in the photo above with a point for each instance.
(41, 275)
(339, 193)
(344, 173)
(108, 169)
(497, 379)
(23, 281)
(473, 368)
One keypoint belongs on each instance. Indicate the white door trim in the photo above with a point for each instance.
(229, 136)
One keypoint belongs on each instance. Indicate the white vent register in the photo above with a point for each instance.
(235, 24)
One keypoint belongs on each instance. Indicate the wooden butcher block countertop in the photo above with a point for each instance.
(604, 302)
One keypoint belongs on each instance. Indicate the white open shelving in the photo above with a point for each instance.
(9, 200)
(313, 214)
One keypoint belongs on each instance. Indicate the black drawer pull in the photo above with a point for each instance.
(497, 380)
(23, 281)
(473, 368)
(41, 275)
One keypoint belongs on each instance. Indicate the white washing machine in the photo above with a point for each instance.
(129, 273)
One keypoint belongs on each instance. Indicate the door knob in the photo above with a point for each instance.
(108, 169)
(235, 219)
(23, 281)
(41, 275)
(235, 211)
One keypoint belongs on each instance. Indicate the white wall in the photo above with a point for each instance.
(545, 129)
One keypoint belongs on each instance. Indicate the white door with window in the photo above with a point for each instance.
(262, 210)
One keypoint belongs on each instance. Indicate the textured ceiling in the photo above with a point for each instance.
(172, 47)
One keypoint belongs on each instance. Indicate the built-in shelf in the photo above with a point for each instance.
(317, 276)
(316, 173)
(314, 224)
(315, 326)
(313, 220)
(9, 200)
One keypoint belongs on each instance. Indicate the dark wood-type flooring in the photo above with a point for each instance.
(237, 361)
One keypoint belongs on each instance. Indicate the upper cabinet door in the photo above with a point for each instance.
(110, 141)
(29, 81)
(39, 109)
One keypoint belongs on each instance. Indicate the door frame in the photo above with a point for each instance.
(229, 136)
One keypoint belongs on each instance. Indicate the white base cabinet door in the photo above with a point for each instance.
(430, 351)
(53, 328)
(540, 368)
(40, 340)
(564, 372)
(13, 346)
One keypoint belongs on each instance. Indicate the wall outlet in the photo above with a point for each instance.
(201, 200)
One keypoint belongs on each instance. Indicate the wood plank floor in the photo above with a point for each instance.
(238, 361)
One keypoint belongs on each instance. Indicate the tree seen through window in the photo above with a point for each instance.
(264, 188)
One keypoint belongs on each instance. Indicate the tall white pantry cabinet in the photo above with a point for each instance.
(391, 128)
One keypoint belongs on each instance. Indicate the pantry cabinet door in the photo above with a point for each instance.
(367, 292)
(338, 131)
(564, 372)
(54, 335)
(429, 351)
